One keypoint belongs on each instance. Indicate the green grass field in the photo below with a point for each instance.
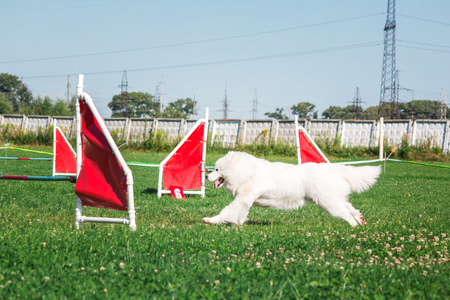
(401, 253)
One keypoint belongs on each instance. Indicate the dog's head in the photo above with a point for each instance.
(218, 175)
(231, 169)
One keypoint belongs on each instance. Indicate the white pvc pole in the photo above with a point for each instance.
(205, 141)
(105, 220)
(297, 140)
(79, 206)
(54, 147)
(380, 143)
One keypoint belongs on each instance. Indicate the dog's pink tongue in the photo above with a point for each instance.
(217, 183)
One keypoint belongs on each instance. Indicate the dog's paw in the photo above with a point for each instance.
(363, 221)
(212, 220)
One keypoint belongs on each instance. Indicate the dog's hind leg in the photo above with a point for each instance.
(338, 208)
(356, 214)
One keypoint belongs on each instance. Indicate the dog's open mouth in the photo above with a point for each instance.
(218, 183)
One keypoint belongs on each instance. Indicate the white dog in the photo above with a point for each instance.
(254, 181)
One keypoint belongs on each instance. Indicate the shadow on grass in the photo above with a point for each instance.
(261, 223)
(150, 191)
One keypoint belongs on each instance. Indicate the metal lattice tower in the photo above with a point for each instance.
(443, 105)
(357, 104)
(255, 105)
(124, 93)
(388, 75)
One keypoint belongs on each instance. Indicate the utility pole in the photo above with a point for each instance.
(193, 108)
(159, 95)
(161, 84)
(68, 90)
(443, 105)
(394, 103)
(388, 75)
(225, 106)
(255, 105)
(124, 93)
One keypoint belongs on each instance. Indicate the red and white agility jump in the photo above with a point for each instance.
(308, 151)
(104, 180)
(183, 170)
(64, 161)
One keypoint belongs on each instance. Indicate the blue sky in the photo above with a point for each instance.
(288, 51)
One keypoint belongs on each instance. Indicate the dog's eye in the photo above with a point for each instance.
(217, 169)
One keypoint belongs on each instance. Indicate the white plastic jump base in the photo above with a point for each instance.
(104, 220)
(202, 190)
(80, 219)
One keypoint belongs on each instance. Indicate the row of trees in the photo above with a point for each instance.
(415, 109)
(15, 97)
(139, 105)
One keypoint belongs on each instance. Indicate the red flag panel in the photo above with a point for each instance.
(184, 168)
(101, 182)
(65, 161)
(307, 151)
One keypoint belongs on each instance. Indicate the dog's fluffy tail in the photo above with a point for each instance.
(361, 179)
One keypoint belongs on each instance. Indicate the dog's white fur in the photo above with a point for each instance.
(254, 181)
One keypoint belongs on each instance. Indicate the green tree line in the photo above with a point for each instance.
(16, 98)
(415, 109)
(140, 105)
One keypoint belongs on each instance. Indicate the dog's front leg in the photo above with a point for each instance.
(236, 212)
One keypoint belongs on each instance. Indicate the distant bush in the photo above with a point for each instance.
(16, 135)
(264, 145)
(426, 150)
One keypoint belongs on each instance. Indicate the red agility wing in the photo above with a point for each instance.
(101, 182)
(64, 157)
(184, 168)
(308, 152)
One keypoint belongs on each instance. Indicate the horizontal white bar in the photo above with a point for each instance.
(104, 220)
(66, 174)
(184, 192)
(143, 165)
(358, 162)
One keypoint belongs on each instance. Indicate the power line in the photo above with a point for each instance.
(425, 44)
(425, 20)
(228, 61)
(189, 43)
(426, 49)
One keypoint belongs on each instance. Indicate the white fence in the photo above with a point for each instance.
(233, 131)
